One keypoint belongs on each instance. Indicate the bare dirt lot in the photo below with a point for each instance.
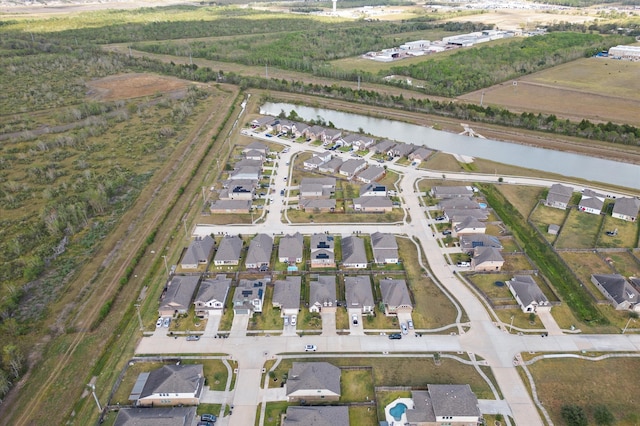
(593, 88)
(127, 86)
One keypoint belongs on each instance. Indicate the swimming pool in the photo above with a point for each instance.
(483, 205)
(397, 411)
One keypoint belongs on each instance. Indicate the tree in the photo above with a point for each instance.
(574, 415)
(5, 384)
(603, 416)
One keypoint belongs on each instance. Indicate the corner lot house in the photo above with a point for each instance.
(177, 298)
(313, 381)
(322, 254)
(249, 296)
(451, 191)
(486, 259)
(319, 415)
(385, 248)
(259, 254)
(469, 242)
(353, 253)
(626, 209)
(372, 204)
(290, 248)
(322, 294)
(231, 206)
(618, 291)
(591, 202)
(198, 252)
(395, 296)
(559, 196)
(444, 405)
(528, 295)
(169, 385)
(286, 296)
(229, 251)
(212, 296)
(359, 294)
(352, 166)
(175, 416)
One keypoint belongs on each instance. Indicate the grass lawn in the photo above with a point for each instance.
(585, 264)
(609, 382)
(544, 216)
(579, 231)
(342, 319)
(384, 398)
(269, 318)
(627, 233)
(356, 386)
(442, 161)
(365, 416)
(523, 198)
(309, 320)
(208, 409)
(625, 263)
(227, 317)
(516, 262)
(190, 322)
(379, 321)
(273, 413)
(432, 309)
(298, 216)
(509, 244)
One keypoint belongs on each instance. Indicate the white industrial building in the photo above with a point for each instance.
(625, 52)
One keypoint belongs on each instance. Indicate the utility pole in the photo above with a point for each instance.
(166, 268)
(511, 325)
(93, 392)
(139, 317)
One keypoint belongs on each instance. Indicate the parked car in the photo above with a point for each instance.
(395, 336)
(441, 218)
(204, 424)
(208, 418)
(446, 232)
(410, 324)
(464, 264)
(282, 192)
(193, 338)
(310, 348)
(294, 319)
(159, 322)
(269, 135)
(354, 319)
(166, 322)
(286, 321)
(403, 326)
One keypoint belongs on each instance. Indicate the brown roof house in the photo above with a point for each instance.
(444, 404)
(320, 415)
(286, 296)
(177, 298)
(396, 297)
(626, 209)
(618, 291)
(259, 253)
(212, 296)
(313, 381)
(359, 294)
(559, 196)
(322, 294)
(198, 252)
(528, 295)
(169, 385)
(486, 259)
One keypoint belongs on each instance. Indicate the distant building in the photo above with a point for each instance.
(627, 52)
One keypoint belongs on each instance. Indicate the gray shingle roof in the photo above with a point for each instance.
(471, 241)
(312, 376)
(352, 165)
(358, 291)
(373, 202)
(487, 254)
(458, 203)
(165, 416)
(627, 207)
(213, 289)
(559, 194)
(470, 223)
(451, 191)
(179, 293)
(317, 416)
(184, 378)
(327, 182)
(231, 205)
(318, 203)
(395, 293)
(322, 241)
(291, 247)
(527, 290)
(617, 287)
(453, 400)
(323, 290)
(229, 249)
(353, 250)
(286, 293)
(198, 251)
(384, 247)
(331, 165)
(371, 173)
(260, 249)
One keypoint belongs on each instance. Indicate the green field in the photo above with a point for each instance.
(579, 231)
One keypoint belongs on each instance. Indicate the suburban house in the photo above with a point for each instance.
(240, 191)
(322, 294)
(177, 298)
(359, 294)
(229, 251)
(249, 296)
(313, 162)
(299, 129)
(255, 155)
(470, 225)
(331, 166)
(401, 150)
(371, 174)
(458, 203)
(198, 252)
(348, 140)
(245, 162)
(290, 248)
(618, 291)
(528, 295)
(247, 172)
(395, 296)
(169, 385)
(314, 132)
(559, 196)
(259, 253)
(626, 209)
(231, 206)
(444, 405)
(385, 248)
(363, 143)
(420, 154)
(373, 190)
(286, 295)
(175, 416)
(320, 415)
(451, 191)
(263, 122)
(372, 204)
(313, 381)
(330, 135)
(326, 182)
(317, 205)
(469, 242)
(353, 253)
(212, 296)
(322, 251)
(591, 202)
(256, 146)
(317, 187)
(458, 215)
(383, 146)
(352, 166)
(486, 259)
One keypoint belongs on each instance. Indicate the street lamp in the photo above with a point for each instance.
(139, 317)
(93, 392)
(166, 268)
(511, 325)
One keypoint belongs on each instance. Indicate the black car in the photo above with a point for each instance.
(395, 336)
(441, 218)
(446, 232)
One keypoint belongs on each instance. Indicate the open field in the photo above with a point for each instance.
(609, 382)
(580, 230)
(544, 216)
(596, 89)
(523, 198)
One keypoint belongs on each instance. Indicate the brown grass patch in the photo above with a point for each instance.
(126, 86)
(523, 198)
(579, 231)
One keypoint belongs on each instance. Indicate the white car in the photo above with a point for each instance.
(159, 322)
(286, 321)
(404, 328)
(310, 348)
(166, 322)
(354, 319)
(410, 324)
(294, 319)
